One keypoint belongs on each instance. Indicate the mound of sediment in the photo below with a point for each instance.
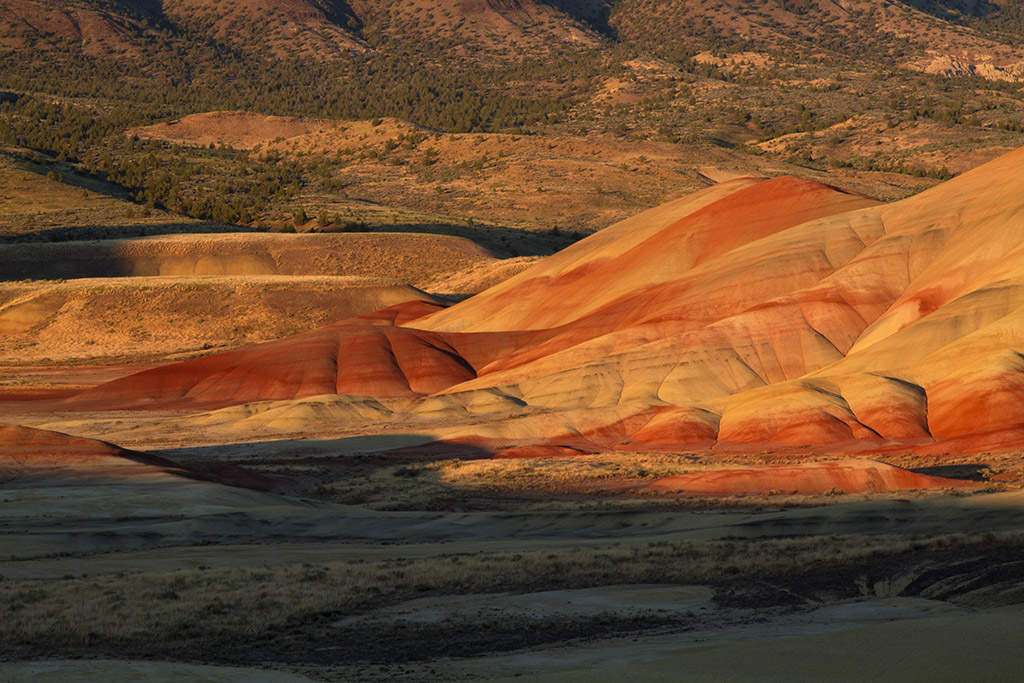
(815, 478)
(28, 447)
(366, 356)
(140, 317)
(481, 276)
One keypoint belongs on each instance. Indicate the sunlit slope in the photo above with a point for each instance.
(658, 247)
(897, 322)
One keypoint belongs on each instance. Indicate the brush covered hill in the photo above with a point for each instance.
(942, 37)
(948, 37)
(281, 29)
(956, 38)
(756, 313)
(96, 29)
(500, 27)
(61, 321)
(140, 29)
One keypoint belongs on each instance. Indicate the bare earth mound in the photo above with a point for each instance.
(366, 356)
(846, 476)
(412, 258)
(240, 130)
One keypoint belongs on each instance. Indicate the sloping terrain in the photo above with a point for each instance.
(949, 38)
(318, 29)
(241, 130)
(98, 30)
(413, 258)
(33, 458)
(284, 29)
(52, 201)
(494, 27)
(513, 180)
(370, 355)
(81, 319)
(752, 314)
(952, 38)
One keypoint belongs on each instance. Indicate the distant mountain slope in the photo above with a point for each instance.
(320, 30)
(106, 30)
(945, 37)
(498, 27)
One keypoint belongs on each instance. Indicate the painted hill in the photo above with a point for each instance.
(369, 355)
(753, 314)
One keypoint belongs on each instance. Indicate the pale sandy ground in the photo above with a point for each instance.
(49, 322)
(879, 641)
(618, 600)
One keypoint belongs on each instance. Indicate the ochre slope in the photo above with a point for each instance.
(237, 129)
(365, 357)
(657, 247)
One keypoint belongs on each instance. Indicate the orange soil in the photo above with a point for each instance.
(848, 476)
(366, 356)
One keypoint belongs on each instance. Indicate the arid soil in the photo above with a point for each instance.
(526, 181)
